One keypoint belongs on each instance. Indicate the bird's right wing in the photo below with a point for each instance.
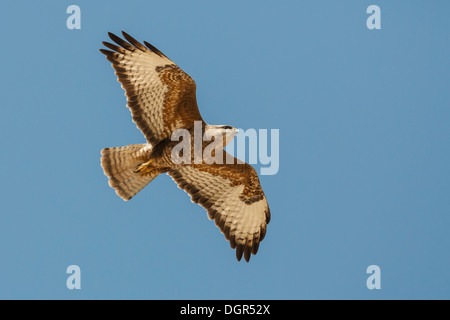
(160, 95)
(233, 197)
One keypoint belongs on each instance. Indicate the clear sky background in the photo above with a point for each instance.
(364, 174)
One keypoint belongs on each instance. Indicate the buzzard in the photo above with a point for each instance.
(162, 100)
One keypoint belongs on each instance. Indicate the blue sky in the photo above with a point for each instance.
(364, 174)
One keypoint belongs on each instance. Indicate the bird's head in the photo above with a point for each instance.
(225, 132)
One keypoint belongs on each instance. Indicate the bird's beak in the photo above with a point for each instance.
(236, 130)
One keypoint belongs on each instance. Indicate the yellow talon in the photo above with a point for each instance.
(144, 167)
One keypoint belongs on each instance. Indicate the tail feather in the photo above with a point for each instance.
(119, 164)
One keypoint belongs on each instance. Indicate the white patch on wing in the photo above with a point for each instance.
(142, 75)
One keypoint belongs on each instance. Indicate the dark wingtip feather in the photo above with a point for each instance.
(267, 215)
(133, 41)
(154, 49)
(113, 47)
(120, 42)
(126, 35)
(109, 55)
(239, 251)
(106, 52)
(232, 242)
(255, 247)
(247, 253)
(113, 37)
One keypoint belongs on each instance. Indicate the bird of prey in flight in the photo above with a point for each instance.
(162, 100)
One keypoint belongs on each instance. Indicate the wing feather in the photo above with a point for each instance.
(161, 96)
(233, 198)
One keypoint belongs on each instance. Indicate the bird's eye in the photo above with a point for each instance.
(227, 127)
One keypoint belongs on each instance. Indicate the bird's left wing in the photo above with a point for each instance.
(233, 197)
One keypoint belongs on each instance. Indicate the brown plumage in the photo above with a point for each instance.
(162, 99)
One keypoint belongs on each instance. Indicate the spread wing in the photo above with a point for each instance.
(233, 197)
(160, 95)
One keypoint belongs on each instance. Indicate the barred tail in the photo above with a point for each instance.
(119, 164)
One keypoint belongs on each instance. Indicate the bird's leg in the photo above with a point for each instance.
(144, 167)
